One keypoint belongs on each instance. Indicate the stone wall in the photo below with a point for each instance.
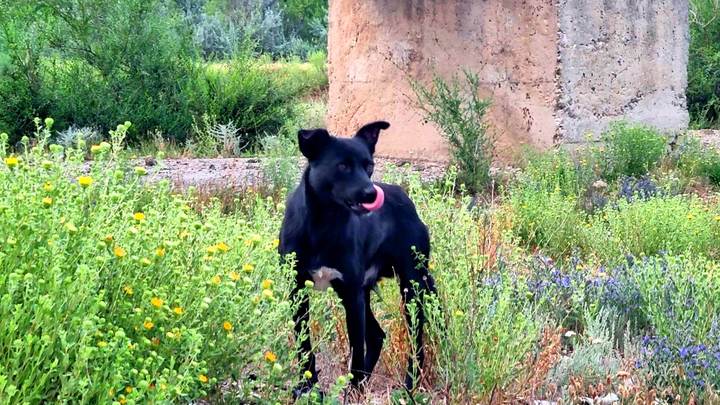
(622, 59)
(550, 66)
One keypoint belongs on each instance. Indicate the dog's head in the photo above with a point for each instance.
(340, 168)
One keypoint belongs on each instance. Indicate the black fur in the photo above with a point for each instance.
(325, 226)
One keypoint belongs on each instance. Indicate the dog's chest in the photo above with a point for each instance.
(324, 276)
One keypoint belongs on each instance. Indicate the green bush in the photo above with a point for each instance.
(459, 113)
(547, 219)
(93, 66)
(281, 28)
(674, 225)
(557, 170)
(632, 150)
(703, 90)
(695, 160)
(111, 290)
(243, 92)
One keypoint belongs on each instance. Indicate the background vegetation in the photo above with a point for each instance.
(704, 64)
(164, 64)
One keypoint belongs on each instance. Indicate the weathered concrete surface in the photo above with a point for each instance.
(621, 59)
(554, 68)
(375, 44)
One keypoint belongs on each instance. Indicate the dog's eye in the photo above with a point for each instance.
(343, 167)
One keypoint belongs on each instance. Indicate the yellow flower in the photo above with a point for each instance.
(307, 374)
(156, 302)
(253, 239)
(119, 252)
(267, 293)
(148, 325)
(227, 326)
(160, 252)
(234, 276)
(276, 243)
(48, 186)
(690, 216)
(203, 378)
(47, 201)
(184, 234)
(108, 238)
(270, 357)
(216, 280)
(223, 247)
(247, 267)
(431, 266)
(128, 389)
(102, 343)
(12, 161)
(266, 284)
(178, 310)
(212, 249)
(71, 227)
(717, 218)
(139, 216)
(122, 401)
(85, 181)
(128, 290)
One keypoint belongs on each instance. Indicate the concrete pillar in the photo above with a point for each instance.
(555, 69)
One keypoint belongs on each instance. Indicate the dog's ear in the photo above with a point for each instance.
(312, 142)
(369, 133)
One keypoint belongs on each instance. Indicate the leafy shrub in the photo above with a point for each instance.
(674, 224)
(703, 90)
(117, 291)
(593, 357)
(632, 150)
(96, 66)
(459, 113)
(478, 329)
(69, 137)
(683, 346)
(213, 139)
(556, 170)
(695, 160)
(91, 66)
(546, 219)
(241, 91)
(280, 28)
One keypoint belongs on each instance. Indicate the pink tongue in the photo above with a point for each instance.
(379, 200)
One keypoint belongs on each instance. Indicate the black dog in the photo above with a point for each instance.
(343, 235)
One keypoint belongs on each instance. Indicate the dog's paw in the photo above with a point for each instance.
(409, 382)
(308, 390)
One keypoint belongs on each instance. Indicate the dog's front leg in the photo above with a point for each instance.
(354, 303)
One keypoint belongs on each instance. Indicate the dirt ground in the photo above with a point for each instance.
(248, 172)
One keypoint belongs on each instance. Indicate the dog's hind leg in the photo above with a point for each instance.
(415, 282)
(374, 337)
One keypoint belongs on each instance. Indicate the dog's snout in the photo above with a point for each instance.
(368, 194)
